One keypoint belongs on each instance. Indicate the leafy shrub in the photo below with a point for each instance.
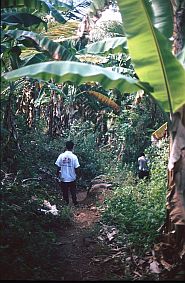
(28, 234)
(138, 208)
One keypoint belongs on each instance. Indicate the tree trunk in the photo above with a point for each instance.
(176, 180)
(50, 118)
(176, 166)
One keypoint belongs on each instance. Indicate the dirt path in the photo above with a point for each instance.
(82, 256)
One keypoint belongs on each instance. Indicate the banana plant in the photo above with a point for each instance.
(58, 51)
(152, 57)
(61, 11)
(157, 65)
(24, 20)
(151, 54)
(40, 43)
(106, 46)
(149, 26)
(78, 73)
(39, 6)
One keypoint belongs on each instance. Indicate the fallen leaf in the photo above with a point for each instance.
(96, 260)
(154, 267)
(111, 235)
(166, 264)
(182, 253)
(93, 208)
(141, 261)
(100, 238)
(137, 273)
(107, 259)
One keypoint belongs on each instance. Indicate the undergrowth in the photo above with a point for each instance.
(137, 207)
(28, 233)
(29, 236)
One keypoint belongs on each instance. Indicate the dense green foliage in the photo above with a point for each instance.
(137, 207)
(37, 120)
(28, 233)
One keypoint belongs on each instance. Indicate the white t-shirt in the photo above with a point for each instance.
(142, 161)
(67, 161)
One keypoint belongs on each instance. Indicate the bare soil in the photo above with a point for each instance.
(82, 256)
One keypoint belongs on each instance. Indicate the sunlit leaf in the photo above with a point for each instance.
(78, 73)
(163, 17)
(109, 45)
(56, 50)
(151, 55)
(38, 5)
(34, 59)
(23, 19)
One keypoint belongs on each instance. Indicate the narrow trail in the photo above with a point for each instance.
(81, 254)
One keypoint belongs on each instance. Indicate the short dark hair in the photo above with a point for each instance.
(69, 145)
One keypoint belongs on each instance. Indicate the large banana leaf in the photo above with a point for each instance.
(31, 39)
(97, 5)
(37, 5)
(42, 6)
(56, 14)
(23, 19)
(163, 17)
(108, 45)
(61, 5)
(152, 56)
(78, 73)
(34, 59)
(77, 9)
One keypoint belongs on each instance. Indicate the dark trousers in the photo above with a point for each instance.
(66, 187)
(143, 174)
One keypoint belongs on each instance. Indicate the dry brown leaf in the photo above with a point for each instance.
(137, 273)
(166, 265)
(96, 259)
(141, 261)
(182, 253)
(154, 267)
(107, 259)
(153, 252)
(117, 254)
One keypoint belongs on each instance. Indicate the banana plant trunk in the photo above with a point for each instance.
(176, 167)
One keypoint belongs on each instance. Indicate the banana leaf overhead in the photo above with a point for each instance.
(78, 73)
(150, 51)
(41, 43)
(21, 19)
(41, 6)
(148, 45)
(108, 45)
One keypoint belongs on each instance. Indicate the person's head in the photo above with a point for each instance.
(69, 145)
(142, 154)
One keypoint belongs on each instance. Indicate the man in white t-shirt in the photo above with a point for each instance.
(67, 171)
(143, 166)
